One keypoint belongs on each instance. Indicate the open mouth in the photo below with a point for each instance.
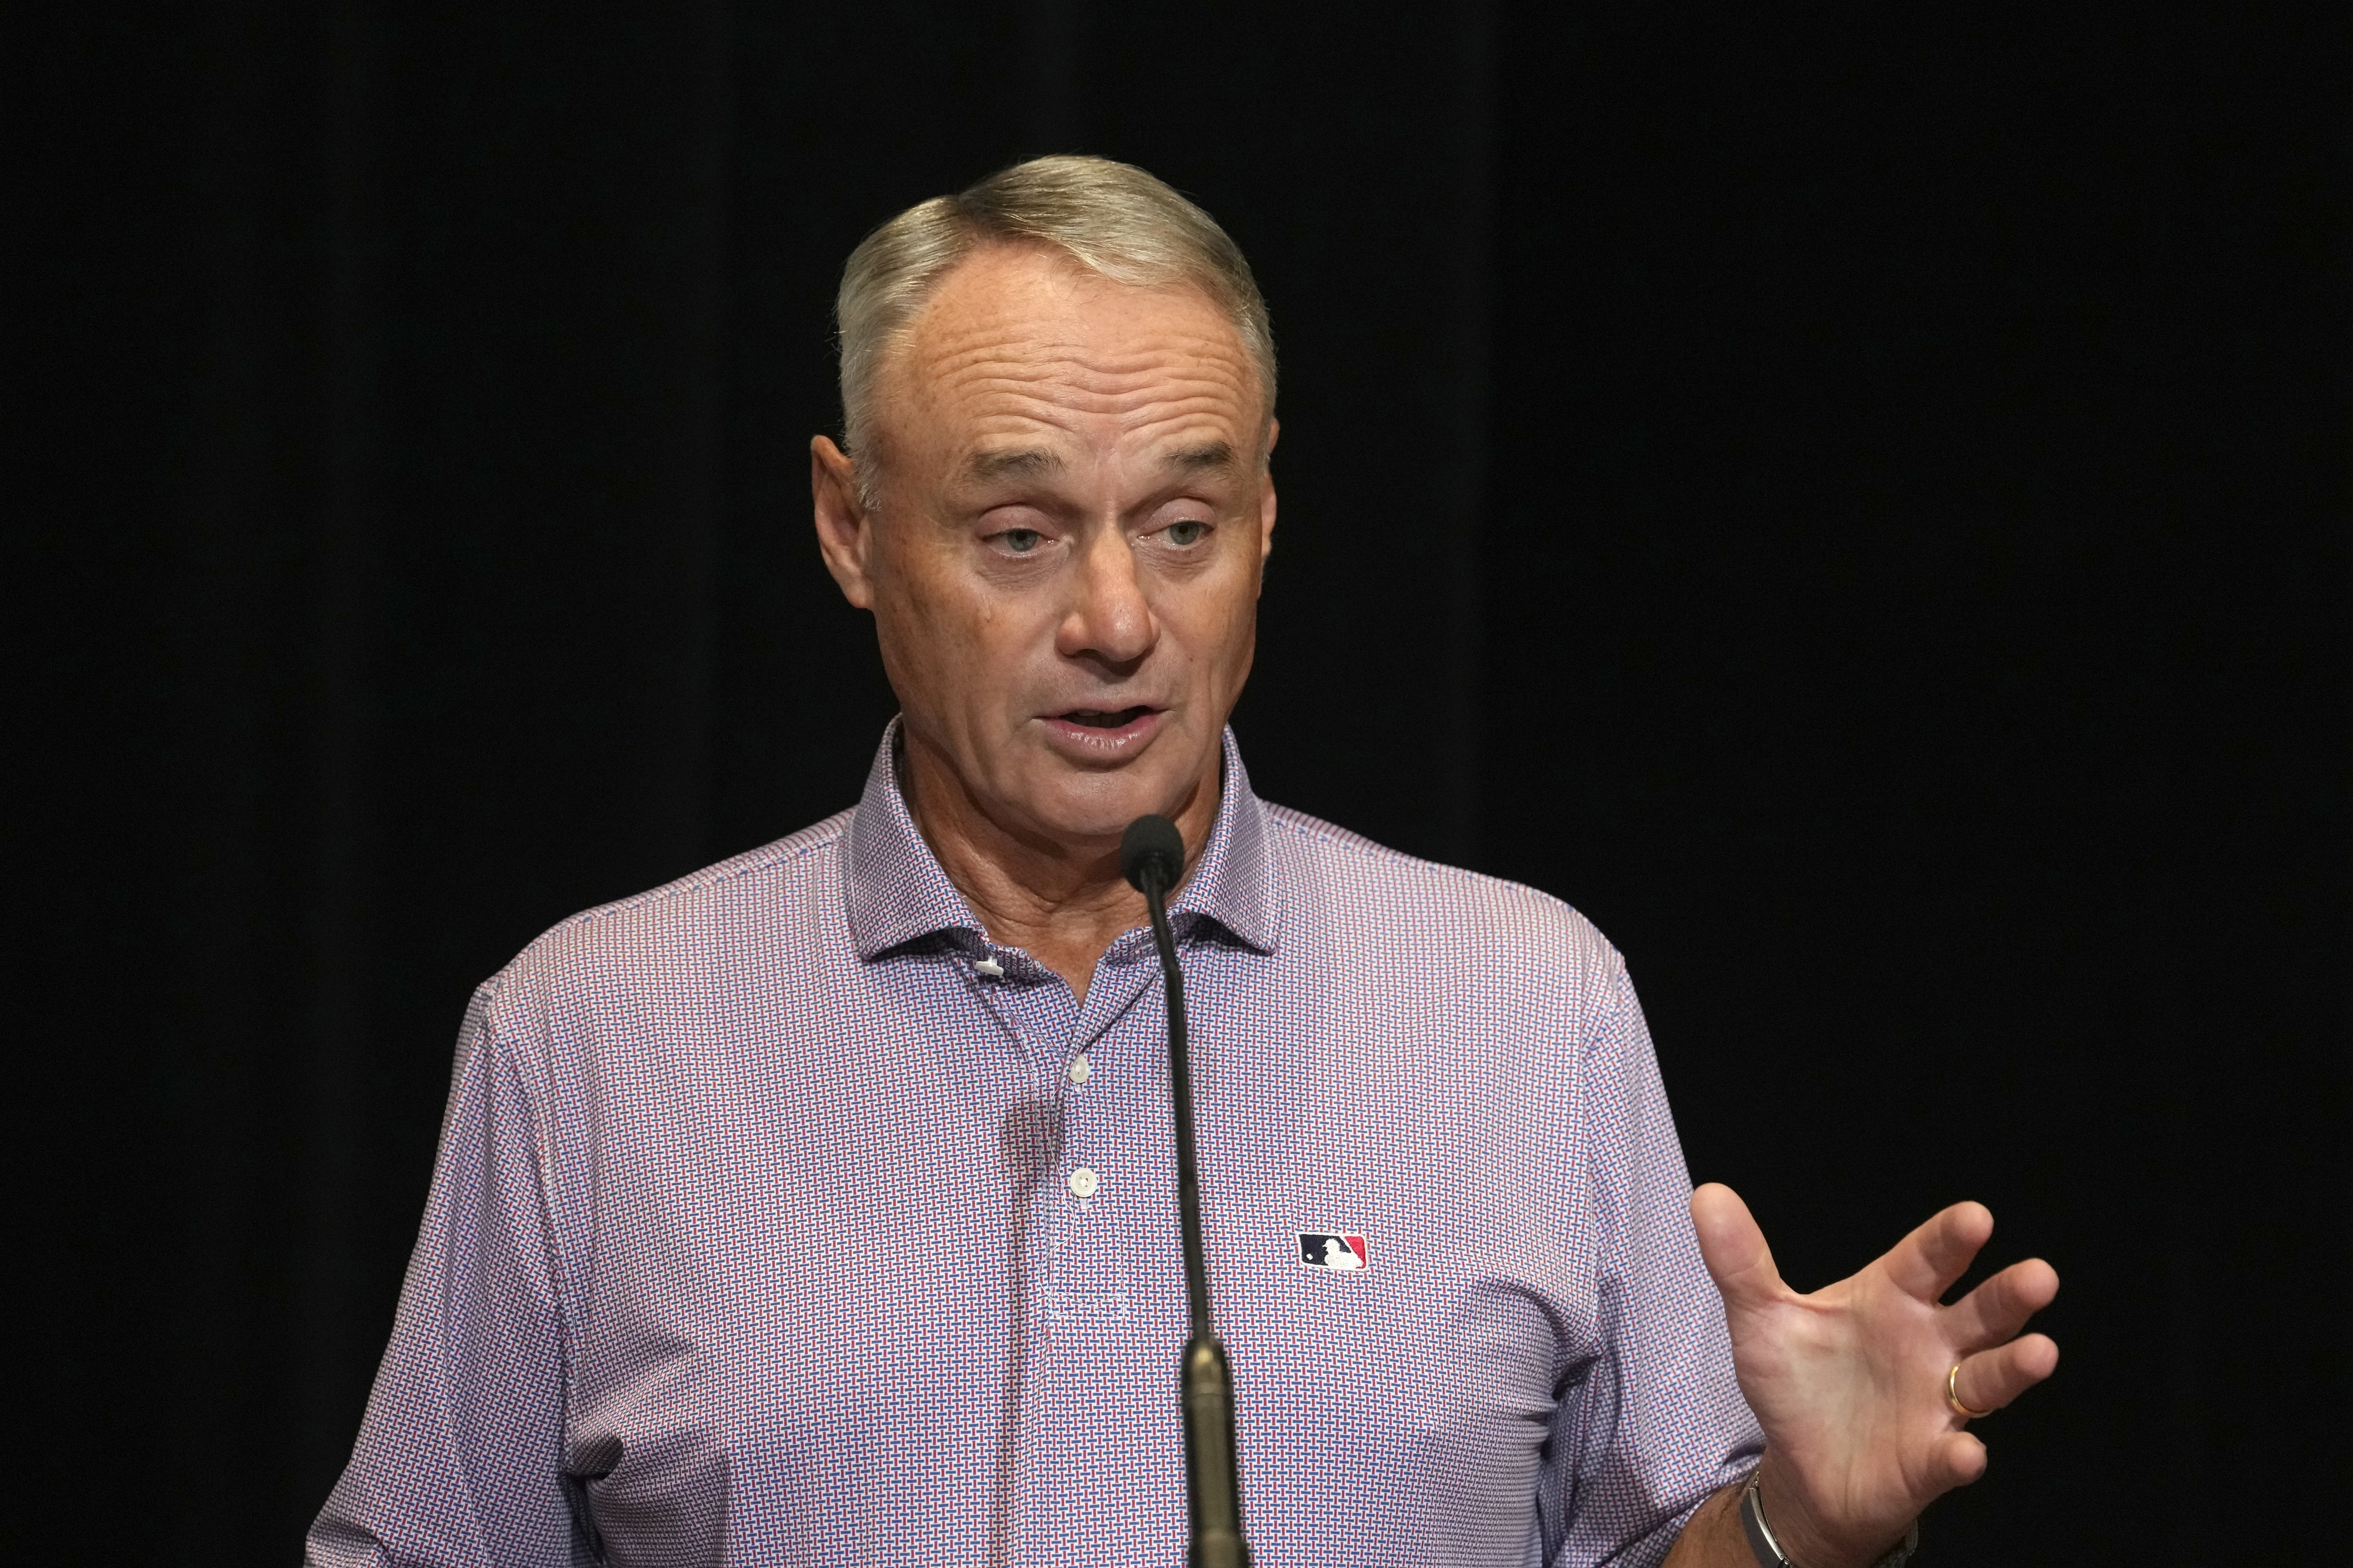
(1104, 734)
(1102, 719)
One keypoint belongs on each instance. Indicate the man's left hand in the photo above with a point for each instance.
(1850, 1381)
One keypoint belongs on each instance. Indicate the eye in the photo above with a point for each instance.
(1020, 541)
(1192, 531)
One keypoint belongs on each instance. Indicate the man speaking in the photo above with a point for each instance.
(818, 1207)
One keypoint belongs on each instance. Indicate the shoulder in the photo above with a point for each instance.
(1342, 887)
(784, 894)
(712, 892)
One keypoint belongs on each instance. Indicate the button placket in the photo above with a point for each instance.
(1036, 1009)
(1040, 1016)
(1091, 1298)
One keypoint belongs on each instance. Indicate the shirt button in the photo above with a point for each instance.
(1079, 1070)
(1084, 1182)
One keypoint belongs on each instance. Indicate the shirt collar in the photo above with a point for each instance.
(899, 893)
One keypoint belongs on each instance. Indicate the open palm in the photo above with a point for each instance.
(1849, 1382)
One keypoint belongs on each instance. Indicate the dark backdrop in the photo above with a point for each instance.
(1854, 502)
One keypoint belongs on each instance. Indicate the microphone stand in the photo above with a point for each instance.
(1152, 853)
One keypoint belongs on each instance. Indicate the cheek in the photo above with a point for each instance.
(1240, 592)
(1219, 622)
(1241, 647)
(945, 637)
(921, 627)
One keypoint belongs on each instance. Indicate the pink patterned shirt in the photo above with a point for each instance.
(781, 1218)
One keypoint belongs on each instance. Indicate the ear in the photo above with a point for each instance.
(844, 530)
(1266, 491)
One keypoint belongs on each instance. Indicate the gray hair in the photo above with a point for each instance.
(1112, 218)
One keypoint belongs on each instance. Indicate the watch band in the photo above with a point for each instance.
(1768, 1551)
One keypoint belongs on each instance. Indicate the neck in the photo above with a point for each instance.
(1060, 900)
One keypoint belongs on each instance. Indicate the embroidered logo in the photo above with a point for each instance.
(1333, 1250)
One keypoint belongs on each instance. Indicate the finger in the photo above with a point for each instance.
(1959, 1459)
(1998, 1308)
(1734, 1247)
(1925, 1263)
(1991, 1379)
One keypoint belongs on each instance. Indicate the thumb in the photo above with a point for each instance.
(1734, 1248)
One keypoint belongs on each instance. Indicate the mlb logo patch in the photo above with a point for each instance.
(1332, 1250)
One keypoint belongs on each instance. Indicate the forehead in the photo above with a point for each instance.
(1025, 344)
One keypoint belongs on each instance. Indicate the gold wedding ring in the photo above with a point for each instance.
(1953, 1396)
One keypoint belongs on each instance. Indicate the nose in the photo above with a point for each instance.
(1108, 620)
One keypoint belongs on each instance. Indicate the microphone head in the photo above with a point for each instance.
(1152, 848)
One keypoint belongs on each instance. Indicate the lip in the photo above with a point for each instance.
(1100, 742)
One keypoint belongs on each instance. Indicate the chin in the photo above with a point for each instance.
(1099, 805)
(1100, 817)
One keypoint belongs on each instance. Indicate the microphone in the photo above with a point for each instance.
(1152, 858)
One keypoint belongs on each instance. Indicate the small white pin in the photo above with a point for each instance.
(991, 968)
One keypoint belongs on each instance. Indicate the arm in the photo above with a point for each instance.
(1714, 1537)
(1654, 1423)
(458, 1463)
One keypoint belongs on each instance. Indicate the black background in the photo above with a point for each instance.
(1855, 502)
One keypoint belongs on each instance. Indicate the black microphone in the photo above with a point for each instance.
(1151, 856)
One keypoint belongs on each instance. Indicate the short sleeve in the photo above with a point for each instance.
(1654, 1423)
(458, 1458)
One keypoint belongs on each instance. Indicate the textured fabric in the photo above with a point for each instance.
(758, 1234)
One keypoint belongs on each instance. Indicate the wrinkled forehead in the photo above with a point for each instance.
(1024, 351)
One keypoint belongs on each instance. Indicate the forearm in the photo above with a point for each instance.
(1713, 1537)
(1718, 1537)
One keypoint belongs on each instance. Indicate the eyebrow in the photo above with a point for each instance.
(1208, 455)
(1017, 460)
(1027, 462)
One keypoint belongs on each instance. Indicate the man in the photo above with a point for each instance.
(818, 1207)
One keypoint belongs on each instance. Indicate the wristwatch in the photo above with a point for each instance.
(1768, 1551)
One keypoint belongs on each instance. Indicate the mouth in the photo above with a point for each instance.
(1101, 719)
(1104, 734)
